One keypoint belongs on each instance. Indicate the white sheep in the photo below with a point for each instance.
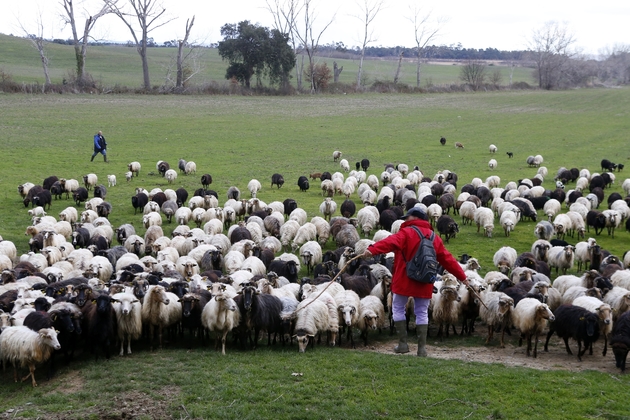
(220, 315)
(492, 164)
(89, 180)
(344, 165)
(621, 278)
(254, 265)
(496, 312)
(312, 318)
(613, 220)
(69, 214)
(170, 175)
(619, 300)
(434, 211)
(311, 254)
(336, 155)
(128, 175)
(530, 317)
(540, 249)
(504, 259)
(8, 248)
(492, 148)
(254, 186)
(152, 219)
(371, 315)
(445, 304)
(508, 221)
(348, 306)
(160, 309)
(562, 225)
(134, 167)
(101, 268)
(183, 215)
(323, 229)
(484, 217)
(21, 345)
(577, 223)
(233, 261)
(129, 319)
(563, 283)
(575, 292)
(551, 208)
(561, 258)
(328, 207)
(190, 168)
(467, 211)
(366, 220)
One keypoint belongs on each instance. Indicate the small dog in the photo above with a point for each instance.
(443, 141)
(510, 155)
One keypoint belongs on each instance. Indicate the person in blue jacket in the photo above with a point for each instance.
(100, 146)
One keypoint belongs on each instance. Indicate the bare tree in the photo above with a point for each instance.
(426, 30)
(149, 16)
(81, 43)
(369, 10)
(551, 49)
(307, 36)
(285, 13)
(180, 54)
(39, 43)
(473, 73)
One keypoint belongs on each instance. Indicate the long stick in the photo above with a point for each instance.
(477, 296)
(331, 281)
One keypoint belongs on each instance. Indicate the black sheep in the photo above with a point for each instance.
(348, 208)
(573, 196)
(259, 312)
(81, 238)
(365, 164)
(206, 180)
(387, 219)
(447, 227)
(163, 167)
(595, 219)
(526, 207)
(613, 197)
(59, 288)
(104, 209)
(620, 340)
(558, 194)
(287, 269)
(357, 283)
(596, 182)
(484, 195)
(160, 198)
(383, 204)
(182, 196)
(138, 201)
(192, 308)
(447, 201)
(277, 179)
(303, 183)
(43, 198)
(442, 141)
(181, 164)
(325, 175)
(56, 190)
(100, 191)
(289, 205)
(240, 233)
(577, 323)
(99, 321)
(48, 182)
(607, 165)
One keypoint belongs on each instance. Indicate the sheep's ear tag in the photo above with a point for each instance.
(582, 319)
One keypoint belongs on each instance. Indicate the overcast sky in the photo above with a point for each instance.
(475, 24)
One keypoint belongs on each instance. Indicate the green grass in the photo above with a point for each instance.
(120, 65)
(238, 138)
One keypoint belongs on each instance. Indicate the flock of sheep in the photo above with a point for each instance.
(235, 267)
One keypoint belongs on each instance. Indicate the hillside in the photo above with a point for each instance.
(120, 65)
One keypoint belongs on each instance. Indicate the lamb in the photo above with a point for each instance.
(371, 316)
(484, 217)
(134, 167)
(129, 319)
(170, 175)
(530, 317)
(561, 258)
(577, 323)
(160, 309)
(604, 313)
(496, 312)
(28, 348)
(492, 164)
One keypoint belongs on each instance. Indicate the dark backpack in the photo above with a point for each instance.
(423, 267)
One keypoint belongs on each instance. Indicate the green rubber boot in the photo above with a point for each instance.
(401, 330)
(421, 332)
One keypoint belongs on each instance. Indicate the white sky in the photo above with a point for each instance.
(475, 24)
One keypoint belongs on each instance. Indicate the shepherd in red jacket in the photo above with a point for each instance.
(404, 244)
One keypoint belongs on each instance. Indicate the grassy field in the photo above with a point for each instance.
(120, 65)
(238, 138)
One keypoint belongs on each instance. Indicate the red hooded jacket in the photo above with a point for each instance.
(406, 243)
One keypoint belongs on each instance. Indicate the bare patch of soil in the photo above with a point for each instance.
(512, 355)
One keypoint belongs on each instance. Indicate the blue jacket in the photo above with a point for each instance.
(99, 143)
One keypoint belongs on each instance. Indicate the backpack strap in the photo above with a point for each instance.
(431, 237)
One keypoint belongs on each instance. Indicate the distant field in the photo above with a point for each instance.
(238, 138)
(120, 65)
